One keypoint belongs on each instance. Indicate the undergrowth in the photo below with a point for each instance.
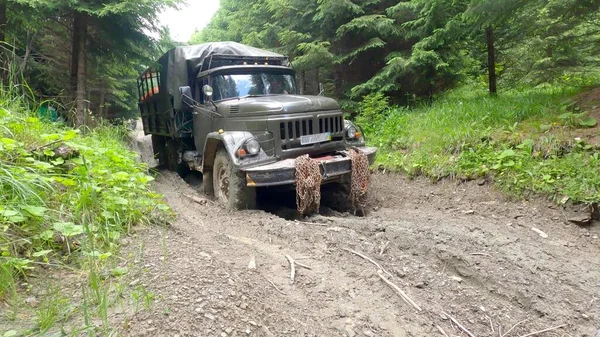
(65, 200)
(523, 138)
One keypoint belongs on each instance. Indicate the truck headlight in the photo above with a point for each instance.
(252, 146)
(351, 132)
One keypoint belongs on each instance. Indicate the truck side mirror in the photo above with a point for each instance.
(321, 90)
(187, 100)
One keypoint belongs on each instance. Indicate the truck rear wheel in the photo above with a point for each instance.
(230, 184)
(173, 157)
(159, 149)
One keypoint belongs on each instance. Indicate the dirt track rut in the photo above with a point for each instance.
(455, 248)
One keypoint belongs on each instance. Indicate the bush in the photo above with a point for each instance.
(522, 138)
(64, 193)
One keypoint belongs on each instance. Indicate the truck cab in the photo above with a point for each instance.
(234, 113)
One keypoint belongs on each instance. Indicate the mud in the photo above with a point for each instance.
(456, 249)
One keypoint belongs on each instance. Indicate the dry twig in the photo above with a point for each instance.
(292, 267)
(491, 324)
(196, 199)
(302, 265)
(383, 248)
(442, 330)
(400, 292)
(274, 286)
(483, 254)
(545, 330)
(368, 259)
(310, 223)
(514, 326)
(459, 325)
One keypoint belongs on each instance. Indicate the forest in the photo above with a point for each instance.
(413, 50)
(81, 57)
(504, 93)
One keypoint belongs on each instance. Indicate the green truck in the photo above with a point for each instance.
(234, 113)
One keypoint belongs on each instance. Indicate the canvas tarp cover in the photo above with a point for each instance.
(181, 65)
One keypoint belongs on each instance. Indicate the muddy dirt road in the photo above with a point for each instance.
(459, 251)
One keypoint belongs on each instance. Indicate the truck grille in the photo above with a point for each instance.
(291, 131)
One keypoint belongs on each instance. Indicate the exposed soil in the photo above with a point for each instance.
(458, 248)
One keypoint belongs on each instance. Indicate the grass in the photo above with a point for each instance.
(523, 138)
(65, 211)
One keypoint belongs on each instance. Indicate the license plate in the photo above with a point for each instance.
(316, 138)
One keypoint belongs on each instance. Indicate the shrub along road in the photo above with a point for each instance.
(459, 251)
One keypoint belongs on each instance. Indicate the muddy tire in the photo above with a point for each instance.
(173, 157)
(207, 182)
(229, 184)
(159, 148)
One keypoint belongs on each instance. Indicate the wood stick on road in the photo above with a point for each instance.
(383, 248)
(368, 259)
(302, 265)
(442, 330)
(292, 267)
(274, 286)
(545, 330)
(399, 291)
(469, 333)
(198, 200)
(514, 326)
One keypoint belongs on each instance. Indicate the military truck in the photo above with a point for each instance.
(234, 113)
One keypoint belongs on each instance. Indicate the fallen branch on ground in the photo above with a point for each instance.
(200, 201)
(274, 286)
(514, 326)
(383, 248)
(302, 265)
(545, 330)
(368, 259)
(442, 330)
(399, 291)
(459, 325)
(310, 223)
(292, 267)
(483, 254)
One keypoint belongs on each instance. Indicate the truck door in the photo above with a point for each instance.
(203, 116)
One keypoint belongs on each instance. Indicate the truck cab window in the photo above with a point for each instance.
(227, 86)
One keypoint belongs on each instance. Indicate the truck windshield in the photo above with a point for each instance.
(238, 85)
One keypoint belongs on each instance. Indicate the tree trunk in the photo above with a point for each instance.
(2, 20)
(101, 101)
(75, 43)
(489, 36)
(3, 74)
(80, 21)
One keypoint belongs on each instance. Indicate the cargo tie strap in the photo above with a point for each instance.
(308, 185)
(359, 182)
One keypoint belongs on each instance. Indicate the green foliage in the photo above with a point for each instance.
(420, 47)
(55, 209)
(372, 110)
(523, 138)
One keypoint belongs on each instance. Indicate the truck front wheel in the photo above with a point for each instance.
(230, 184)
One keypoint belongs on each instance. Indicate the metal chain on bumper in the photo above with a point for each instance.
(359, 182)
(308, 185)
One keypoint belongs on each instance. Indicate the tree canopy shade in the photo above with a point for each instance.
(417, 47)
(97, 47)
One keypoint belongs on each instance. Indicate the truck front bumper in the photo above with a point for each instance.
(284, 172)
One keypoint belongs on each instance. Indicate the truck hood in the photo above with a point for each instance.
(283, 104)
